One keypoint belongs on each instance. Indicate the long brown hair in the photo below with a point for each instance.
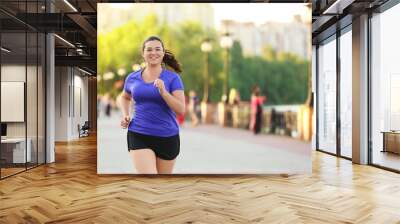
(168, 58)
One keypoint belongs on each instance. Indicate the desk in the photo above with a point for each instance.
(391, 141)
(16, 147)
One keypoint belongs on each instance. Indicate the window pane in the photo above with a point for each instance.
(327, 96)
(346, 94)
(386, 89)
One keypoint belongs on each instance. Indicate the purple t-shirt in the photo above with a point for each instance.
(153, 116)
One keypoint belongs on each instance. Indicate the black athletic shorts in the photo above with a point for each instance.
(166, 148)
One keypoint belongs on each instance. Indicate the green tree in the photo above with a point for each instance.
(281, 76)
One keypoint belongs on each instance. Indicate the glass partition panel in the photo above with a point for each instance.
(14, 152)
(31, 98)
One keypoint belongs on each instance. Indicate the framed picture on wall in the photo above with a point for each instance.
(12, 101)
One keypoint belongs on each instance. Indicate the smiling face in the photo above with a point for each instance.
(153, 52)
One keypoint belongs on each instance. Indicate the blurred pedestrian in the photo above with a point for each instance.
(153, 134)
(99, 105)
(273, 121)
(107, 105)
(257, 102)
(194, 107)
(234, 97)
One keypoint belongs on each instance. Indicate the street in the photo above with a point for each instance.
(209, 149)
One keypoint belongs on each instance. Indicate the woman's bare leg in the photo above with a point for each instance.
(144, 161)
(165, 166)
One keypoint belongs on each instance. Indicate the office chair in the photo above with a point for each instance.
(84, 130)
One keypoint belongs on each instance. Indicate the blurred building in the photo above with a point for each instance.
(247, 33)
(170, 14)
(291, 37)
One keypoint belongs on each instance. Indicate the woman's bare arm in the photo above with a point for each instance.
(125, 102)
(176, 101)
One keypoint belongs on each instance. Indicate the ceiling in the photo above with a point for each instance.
(328, 16)
(74, 22)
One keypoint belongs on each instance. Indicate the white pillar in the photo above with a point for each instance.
(50, 99)
(314, 91)
(50, 92)
(360, 90)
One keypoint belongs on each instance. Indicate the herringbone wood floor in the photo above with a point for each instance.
(70, 191)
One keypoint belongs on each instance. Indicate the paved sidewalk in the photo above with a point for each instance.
(210, 149)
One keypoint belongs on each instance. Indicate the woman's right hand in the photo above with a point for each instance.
(125, 121)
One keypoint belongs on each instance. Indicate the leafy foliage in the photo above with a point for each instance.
(283, 77)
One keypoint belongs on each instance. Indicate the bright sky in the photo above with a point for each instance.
(259, 12)
(251, 12)
(118, 5)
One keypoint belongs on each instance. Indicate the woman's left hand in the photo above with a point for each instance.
(160, 85)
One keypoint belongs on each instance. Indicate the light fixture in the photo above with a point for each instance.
(337, 7)
(136, 67)
(108, 76)
(226, 41)
(121, 72)
(64, 40)
(84, 71)
(79, 51)
(206, 46)
(70, 5)
(5, 50)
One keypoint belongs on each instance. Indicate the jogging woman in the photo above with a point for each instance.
(153, 132)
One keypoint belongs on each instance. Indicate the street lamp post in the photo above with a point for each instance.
(226, 44)
(206, 47)
(108, 76)
(223, 110)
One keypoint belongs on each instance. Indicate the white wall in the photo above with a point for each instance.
(84, 85)
(71, 93)
(80, 96)
(61, 103)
